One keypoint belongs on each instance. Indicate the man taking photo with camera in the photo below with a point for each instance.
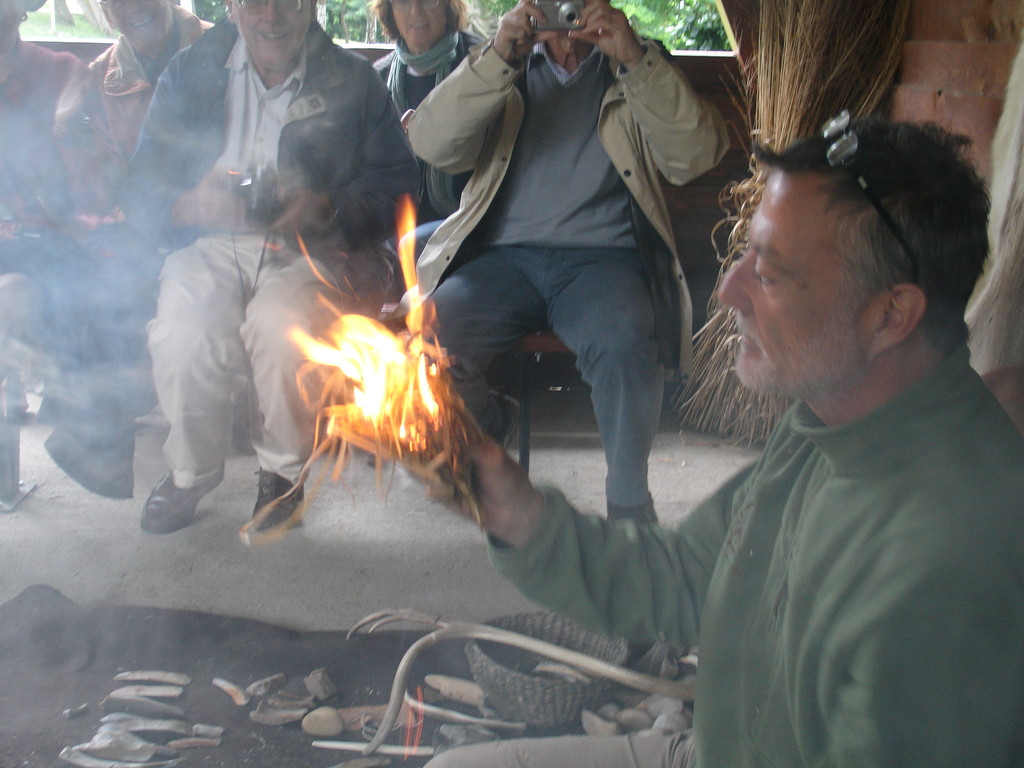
(262, 133)
(565, 119)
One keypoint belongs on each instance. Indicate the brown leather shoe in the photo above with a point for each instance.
(273, 487)
(170, 508)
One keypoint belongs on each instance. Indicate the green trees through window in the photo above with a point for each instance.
(679, 24)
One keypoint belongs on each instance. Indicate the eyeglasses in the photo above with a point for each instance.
(405, 5)
(258, 6)
(841, 152)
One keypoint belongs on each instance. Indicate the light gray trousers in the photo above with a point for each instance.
(227, 304)
(632, 751)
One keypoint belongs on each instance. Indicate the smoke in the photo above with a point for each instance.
(76, 285)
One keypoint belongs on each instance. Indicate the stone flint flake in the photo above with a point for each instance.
(81, 759)
(319, 684)
(72, 712)
(289, 700)
(120, 721)
(125, 747)
(207, 731)
(265, 715)
(153, 676)
(150, 691)
(264, 686)
(141, 706)
(193, 742)
(240, 697)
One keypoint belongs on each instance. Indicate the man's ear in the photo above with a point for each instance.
(895, 314)
(231, 10)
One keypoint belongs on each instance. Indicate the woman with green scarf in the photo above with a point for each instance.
(429, 44)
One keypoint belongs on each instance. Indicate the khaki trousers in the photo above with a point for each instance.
(632, 751)
(227, 303)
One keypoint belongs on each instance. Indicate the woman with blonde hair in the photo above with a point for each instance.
(430, 41)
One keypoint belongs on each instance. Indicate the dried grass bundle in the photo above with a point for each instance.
(396, 401)
(389, 395)
(812, 58)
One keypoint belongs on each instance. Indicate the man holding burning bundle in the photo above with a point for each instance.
(263, 140)
(857, 594)
(566, 119)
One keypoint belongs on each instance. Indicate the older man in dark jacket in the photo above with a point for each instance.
(260, 136)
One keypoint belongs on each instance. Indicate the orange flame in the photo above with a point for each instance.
(384, 393)
(389, 380)
(416, 320)
(413, 731)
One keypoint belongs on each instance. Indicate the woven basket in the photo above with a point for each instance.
(506, 673)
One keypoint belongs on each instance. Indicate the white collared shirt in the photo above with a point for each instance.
(563, 75)
(255, 114)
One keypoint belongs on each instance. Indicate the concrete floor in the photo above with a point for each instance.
(361, 549)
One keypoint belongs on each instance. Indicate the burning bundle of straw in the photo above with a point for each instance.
(388, 394)
(812, 58)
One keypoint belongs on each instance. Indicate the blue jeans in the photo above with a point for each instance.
(598, 303)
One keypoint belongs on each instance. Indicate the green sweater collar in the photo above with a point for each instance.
(879, 441)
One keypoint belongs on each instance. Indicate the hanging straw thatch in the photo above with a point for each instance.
(812, 58)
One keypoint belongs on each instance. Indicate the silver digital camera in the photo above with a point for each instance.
(560, 14)
(259, 190)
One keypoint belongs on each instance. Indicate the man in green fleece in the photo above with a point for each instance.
(857, 595)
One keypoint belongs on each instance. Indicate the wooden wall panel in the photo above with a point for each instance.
(956, 63)
(981, 69)
(974, 116)
(966, 20)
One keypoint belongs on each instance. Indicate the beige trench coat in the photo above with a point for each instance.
(650, 121)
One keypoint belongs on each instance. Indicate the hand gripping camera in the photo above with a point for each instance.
(560, 14)
(259, 189)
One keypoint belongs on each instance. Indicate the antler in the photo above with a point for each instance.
(457, 630)
(380, 618)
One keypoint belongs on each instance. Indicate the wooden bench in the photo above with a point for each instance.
(527, 352)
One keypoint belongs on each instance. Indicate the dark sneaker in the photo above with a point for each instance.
(642, 513)
(170, 508)
(275, 488)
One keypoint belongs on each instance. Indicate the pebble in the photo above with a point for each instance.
(658, 704)
(633, 719)
(593, 725)
(671, 722)
(456, 689)
(323, 721)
